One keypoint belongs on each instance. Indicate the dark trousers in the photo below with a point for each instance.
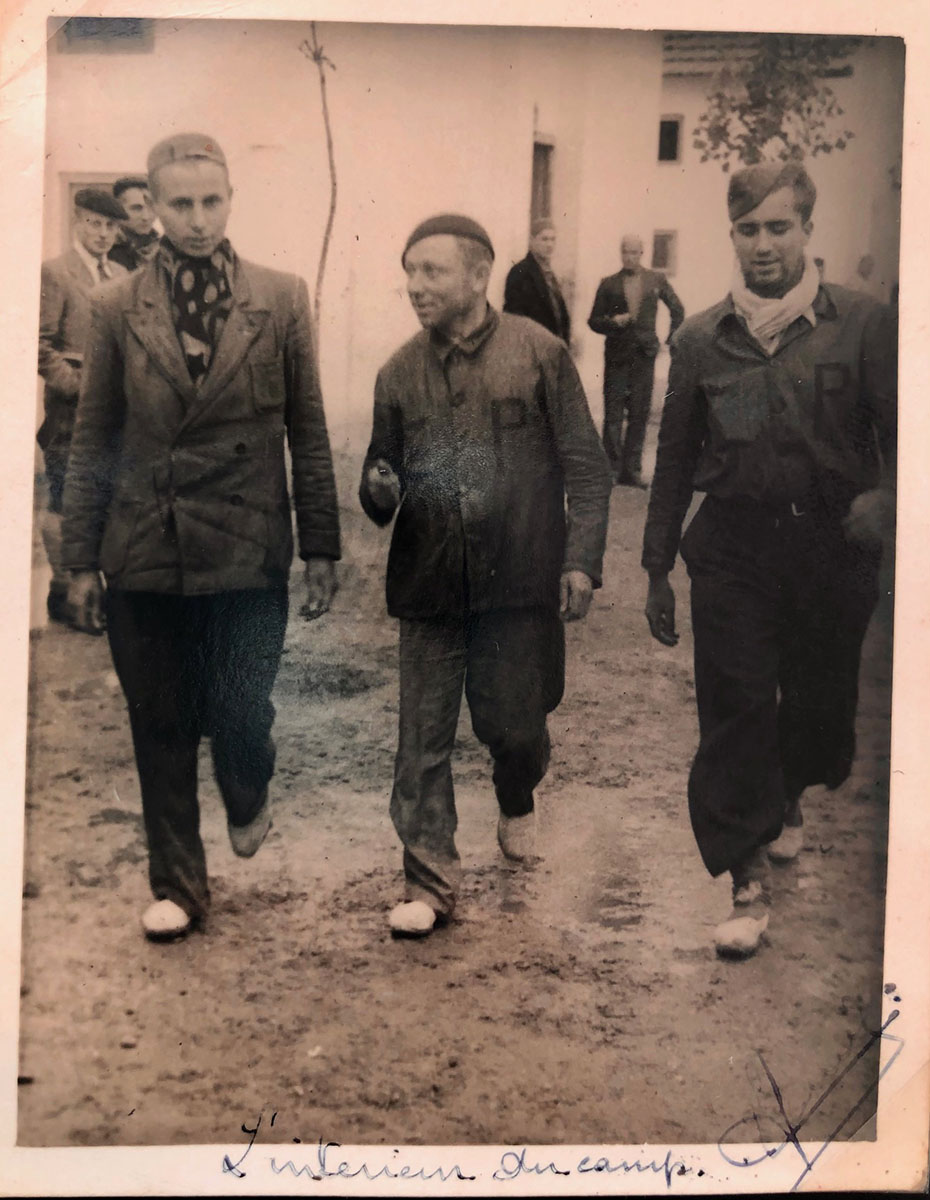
(627, 396)
(779, 607)
(512, 666)
(193, 666)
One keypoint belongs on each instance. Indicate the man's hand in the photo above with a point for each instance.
(85, 599)
(660, 610)
(320, 579)
(621, 319)
(575, 591)
(870, 519)
(383, 485)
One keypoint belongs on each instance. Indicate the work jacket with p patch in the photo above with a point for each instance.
(489, 438)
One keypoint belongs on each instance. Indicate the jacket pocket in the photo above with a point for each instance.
(267, 385)
(114, 547)
(738, 408)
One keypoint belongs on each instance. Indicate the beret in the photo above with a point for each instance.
(96, 200)
(130, 181)
(452, 223)
(749, 187)
(540, 224)
(182, 146)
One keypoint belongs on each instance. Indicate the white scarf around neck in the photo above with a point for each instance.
(767, 317)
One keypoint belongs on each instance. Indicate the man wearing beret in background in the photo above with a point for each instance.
(781, 408)
(532, 290)
(64, 323)
(138, 240)
(481, 429)
(199, 367)
(624, 310)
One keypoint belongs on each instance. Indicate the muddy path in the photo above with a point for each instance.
(577, 1002)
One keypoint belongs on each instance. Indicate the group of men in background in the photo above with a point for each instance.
(624, 312)
(199, 375)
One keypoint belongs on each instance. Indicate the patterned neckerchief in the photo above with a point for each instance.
(201, 299)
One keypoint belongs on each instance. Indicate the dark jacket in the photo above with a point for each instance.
(64, 323)
(177, 489)
(639, 337)
(526, 294)
(133, 250)
(488, 440)
(814, 424)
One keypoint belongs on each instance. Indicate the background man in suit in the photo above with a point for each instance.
(138, 240)
(199, 366)
(481, 433)
(64, 322)
(625, 312)
(532, 289)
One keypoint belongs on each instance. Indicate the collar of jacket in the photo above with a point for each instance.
(151, 320)
(823, 306)
(443, 345)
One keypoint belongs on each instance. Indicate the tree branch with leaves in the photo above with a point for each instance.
(776, 105)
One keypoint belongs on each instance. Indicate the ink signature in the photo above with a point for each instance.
(788, 1130)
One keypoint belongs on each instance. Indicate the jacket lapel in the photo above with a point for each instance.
(152, 323)
(78, 272)
(246, 320)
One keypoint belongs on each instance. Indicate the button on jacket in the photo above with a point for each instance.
(813, 423)
(177, 488)
(487, 437)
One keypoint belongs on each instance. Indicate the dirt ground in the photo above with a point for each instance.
(580, 1001)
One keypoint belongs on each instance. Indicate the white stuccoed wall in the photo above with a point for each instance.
(425, 119)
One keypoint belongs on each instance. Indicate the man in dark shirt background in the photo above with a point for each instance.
(532, 289)
(781, 407)
(481, 433)
(624, 312)
(138, 240)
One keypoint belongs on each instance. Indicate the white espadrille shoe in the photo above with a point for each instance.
(413, 918)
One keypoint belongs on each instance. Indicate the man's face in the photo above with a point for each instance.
(192, 199)
(138, 203)
(543, 244)
(769, 244)
(631, 251)
(441, 286)
(95, 232)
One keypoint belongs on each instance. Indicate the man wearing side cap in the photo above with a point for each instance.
(781, 408)
(481, 430)
(64, 323)
(137, 243)
(199, 366)
(532, 289)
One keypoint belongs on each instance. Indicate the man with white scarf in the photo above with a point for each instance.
(781, 408)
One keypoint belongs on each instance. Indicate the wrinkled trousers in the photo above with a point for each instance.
(511, 664)
(627, 395)
(193, 666)
(780, 605)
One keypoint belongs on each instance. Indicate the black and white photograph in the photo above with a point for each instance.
(468, 567)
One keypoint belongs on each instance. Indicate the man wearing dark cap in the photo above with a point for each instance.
(781, 408)
(138, 241)
(481, 430)
(532, 289)
(624, 311)
(64, 323)
(199, 366)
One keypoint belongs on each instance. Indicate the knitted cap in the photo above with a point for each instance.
(452, 223)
